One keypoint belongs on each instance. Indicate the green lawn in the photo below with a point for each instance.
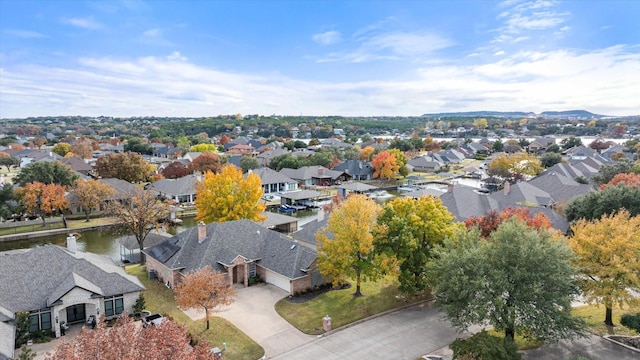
(30, 228)
(594, 316)
(521, 342)
(343, 307)
(159, 299)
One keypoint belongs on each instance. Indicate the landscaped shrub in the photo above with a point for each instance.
(139, 305)
(484, 346)
(255, 280)
(632, 321)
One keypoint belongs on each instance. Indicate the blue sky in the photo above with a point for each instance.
(352, 58)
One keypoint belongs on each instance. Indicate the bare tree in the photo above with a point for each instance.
(139, 213)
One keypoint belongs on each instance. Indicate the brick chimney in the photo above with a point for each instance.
(449, 187)
(507, 188)
(202, 232)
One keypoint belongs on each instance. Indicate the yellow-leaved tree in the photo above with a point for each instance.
(345, 247)
(608, 257)
(516, 165)
(228, 195)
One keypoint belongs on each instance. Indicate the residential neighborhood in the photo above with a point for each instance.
(299, 185)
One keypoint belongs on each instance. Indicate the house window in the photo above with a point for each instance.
(113, 305)
(40, 320)
(252, 269)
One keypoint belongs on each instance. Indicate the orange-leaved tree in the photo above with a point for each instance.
(365, 153)
(44, 198)
(490, 222)
(125, 340)
(228, 195)
(205, 162)
(346, 248)
(385, 166)
(90, 194)
(629, 179)
(204, 288)
(608, 257)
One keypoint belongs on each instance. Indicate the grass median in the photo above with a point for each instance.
(343, 307)
(160, 299)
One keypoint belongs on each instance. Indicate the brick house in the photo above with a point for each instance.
(241, 249)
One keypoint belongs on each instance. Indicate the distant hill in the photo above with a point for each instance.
(519, 114)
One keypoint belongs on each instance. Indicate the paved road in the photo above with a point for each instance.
(592, 348)
(403, 334)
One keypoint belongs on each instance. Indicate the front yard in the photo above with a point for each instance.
(343, 307)
(159, 299)
(594, 317)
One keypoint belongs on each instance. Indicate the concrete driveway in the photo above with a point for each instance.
(254, 314)
(404, 334)
(592, 347)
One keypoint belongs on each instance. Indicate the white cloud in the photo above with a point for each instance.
(597, 81)
(85, 23)
(25, 34)
(498, 53)
(527, 16)
(327, 38)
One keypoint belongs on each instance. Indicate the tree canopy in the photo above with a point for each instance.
(125, 340)
(9, 161)
(490, 222)
(249, 163)
(515, 165)
(595, 204)
(205, 162)
(228, 195)
(90, 194)
(175, 170)
(519, 280)
(204, 288)
(608, 258)
(385, 166)
(407, 231)
(131, 167)
(46, 172)
(37, 197)
(345, 246)
(607, 172)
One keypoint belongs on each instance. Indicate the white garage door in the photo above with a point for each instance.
(278, 280)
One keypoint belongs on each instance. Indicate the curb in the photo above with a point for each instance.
(607, 337)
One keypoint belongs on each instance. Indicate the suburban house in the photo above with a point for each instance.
(316, 175)
(181, 190)
(241, 149)
(123, 190)
(78, 165)
(358, 169)
(61, 285)
(241, 249)
(424, 163)
(541, 144)
(273, 181)
(168, 152)
(264, 158)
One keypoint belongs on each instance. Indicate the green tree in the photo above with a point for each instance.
(595, 204)
(137, 145)
(608, 258)
(46, 172)
(549, 159)
(9, 161)
(6, 195)
(228, 195)
(570, 142)
(607, 172)
(520, 280)
(249, 163)
(482, 345)
(346, 248)
(497, 145)
(407, 231)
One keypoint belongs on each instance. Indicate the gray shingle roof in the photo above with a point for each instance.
(228, 240)
(522, 194)
(559, 186)
(464, 202)
(302, 195)
(181, 186)
(355, 167)
(357, 187)
(308, 231)
(270, 176)
(30, 277)
(309, 172)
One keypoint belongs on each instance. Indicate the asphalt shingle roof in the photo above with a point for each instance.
(227, 240)
(30, 279)
(181, 186)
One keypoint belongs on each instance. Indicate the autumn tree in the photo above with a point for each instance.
(204, 148)
(606, 173)
(175, 170)
(82, 150)
(204, 288)
(627, 179)
(124, 340)
(228, 195)
(46, 172)
(431, 145)
(37, 197)
(385, 166)
(608, 258)
(138, 213)
(365, 153)
(61, 148)
(593, 205)
(520, 281)
(515, 165)
(407, 231)
(490, 222)
(205, 162)
(131, 167)
(39, 142)
(90, 194)
(346, 247)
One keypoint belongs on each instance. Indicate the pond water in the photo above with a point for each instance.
(101, 241)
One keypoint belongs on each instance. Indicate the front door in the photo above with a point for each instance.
(75, 314)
